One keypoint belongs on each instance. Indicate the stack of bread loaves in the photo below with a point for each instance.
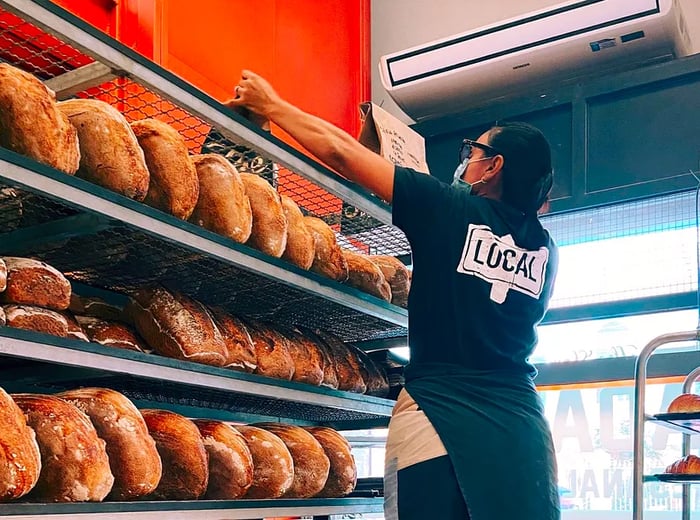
(148, 160)
(92, 444)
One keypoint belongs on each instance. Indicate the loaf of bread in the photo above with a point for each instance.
(173, 184)
(176, 326)
(685, 403)
(36, 319)
(96, 308)
(230, 461)
(273, 466)
(398, 276)
(223, 206)
(74, 461)
(342, 476)
(311, 464)
(31, 123)
(111, 334)
(347, 366)
(330, 374)
(20, 462)
(364, 275)
(269, 233)
(271, 352)
(307, 357)
(184, 458)
(32, 282)
(328, 255)
(3, 318)
(688, 465)
(375, 378)
(74, 330)
(239, 345)
(133, 458)
(301, 246)
(3, 275)
(109, 153)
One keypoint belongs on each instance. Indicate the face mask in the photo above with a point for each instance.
(457, 181)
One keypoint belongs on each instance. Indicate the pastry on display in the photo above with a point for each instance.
(110, 155)
(688, 465)
(347, 366)
(239, 345)
(271, 351)
(3, 275)
(308, 358)
(133, 457)
(685, 403)
(32, 124)
(223, 206)
(173, 184)
(111, 334)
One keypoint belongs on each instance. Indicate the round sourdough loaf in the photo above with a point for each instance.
(109, 153)
(173, 185)
(273, 466)
(230, 461)
(271, 351)
(20, 459)
(366, 276)
(269, 233)
(301, 246)
(307, 357)
(31, 123)
(3, 275)
(32, 282)
(133, 457)
(184, 458)
(223, 206)
(328, 255)
(398, 276)
(75, 465)
(311, 464)
(239, 344)
(176, 326)
(110, 334)
(342, 476)
(685, 403)
(36, 319)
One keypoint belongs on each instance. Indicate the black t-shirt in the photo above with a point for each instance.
(482, 276)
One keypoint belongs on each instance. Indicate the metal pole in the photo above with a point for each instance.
(640, 377)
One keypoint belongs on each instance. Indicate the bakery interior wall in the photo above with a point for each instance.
(316, 54)
(595, 126)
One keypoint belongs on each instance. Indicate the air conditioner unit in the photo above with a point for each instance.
(514, 57)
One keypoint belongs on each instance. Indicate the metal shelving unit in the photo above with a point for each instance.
(112, 244)
(688, 424)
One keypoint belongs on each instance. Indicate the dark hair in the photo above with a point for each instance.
(527, 164)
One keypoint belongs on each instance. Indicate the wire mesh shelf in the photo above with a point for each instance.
(117, 257)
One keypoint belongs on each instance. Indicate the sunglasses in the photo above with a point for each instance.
(465, 152)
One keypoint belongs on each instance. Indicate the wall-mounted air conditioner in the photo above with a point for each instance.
(541, 49)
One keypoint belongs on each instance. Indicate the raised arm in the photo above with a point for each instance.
(333, 146)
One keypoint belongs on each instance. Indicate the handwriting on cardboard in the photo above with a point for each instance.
(386, 135)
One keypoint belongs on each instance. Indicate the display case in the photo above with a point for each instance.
(109, 245)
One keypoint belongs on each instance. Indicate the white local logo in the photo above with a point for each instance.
(500, 262)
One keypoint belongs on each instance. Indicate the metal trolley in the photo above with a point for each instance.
(686, 423)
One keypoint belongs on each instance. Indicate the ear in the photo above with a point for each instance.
(494, 168)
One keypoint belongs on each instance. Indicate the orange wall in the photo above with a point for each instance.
(315, 53)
